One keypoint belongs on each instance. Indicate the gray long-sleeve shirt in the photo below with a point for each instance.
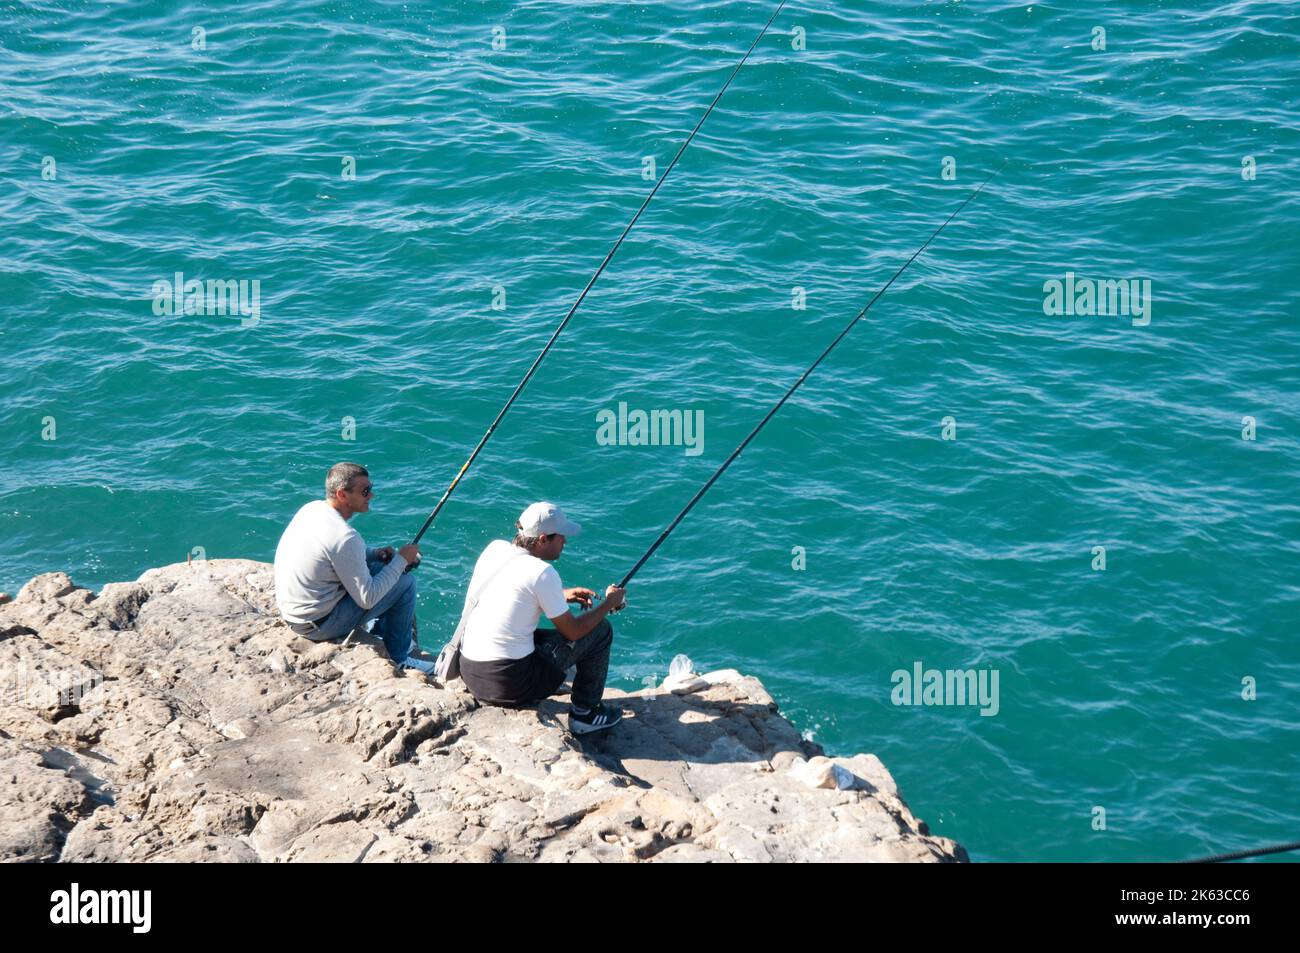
(321, 559)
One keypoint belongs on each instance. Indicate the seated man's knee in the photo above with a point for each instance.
(605, 631)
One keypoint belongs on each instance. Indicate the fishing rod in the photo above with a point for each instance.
(576, 304)
(797, 384)
(1243, 854)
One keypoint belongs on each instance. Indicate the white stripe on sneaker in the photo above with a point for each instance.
(598, 720)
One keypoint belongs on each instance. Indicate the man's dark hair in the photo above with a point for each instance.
(527, 542)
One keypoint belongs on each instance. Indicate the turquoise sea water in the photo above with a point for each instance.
(480, 169)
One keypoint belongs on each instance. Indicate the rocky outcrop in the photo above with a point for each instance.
(175, 718)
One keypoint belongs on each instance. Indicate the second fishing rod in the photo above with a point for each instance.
(581, 297)
(799, 383)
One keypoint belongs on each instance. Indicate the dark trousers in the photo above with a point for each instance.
(511, 682)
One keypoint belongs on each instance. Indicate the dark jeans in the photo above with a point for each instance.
(394, 615)
(511, 682)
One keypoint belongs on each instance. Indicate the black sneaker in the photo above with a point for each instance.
(598, 719)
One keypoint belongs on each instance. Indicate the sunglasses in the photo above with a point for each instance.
(367, 491)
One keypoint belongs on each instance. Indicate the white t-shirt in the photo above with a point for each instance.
(521, 588)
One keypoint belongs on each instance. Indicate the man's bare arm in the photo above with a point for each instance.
(574, 627)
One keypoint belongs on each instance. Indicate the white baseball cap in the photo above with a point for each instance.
(543, 519)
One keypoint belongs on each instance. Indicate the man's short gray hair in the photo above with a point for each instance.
(341, 476)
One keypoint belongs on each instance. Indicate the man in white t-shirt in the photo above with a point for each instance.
(505, 659)
(328, 582)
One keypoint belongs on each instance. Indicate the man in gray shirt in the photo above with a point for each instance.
(328, 582)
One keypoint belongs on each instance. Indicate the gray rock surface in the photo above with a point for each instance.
(175, 718)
